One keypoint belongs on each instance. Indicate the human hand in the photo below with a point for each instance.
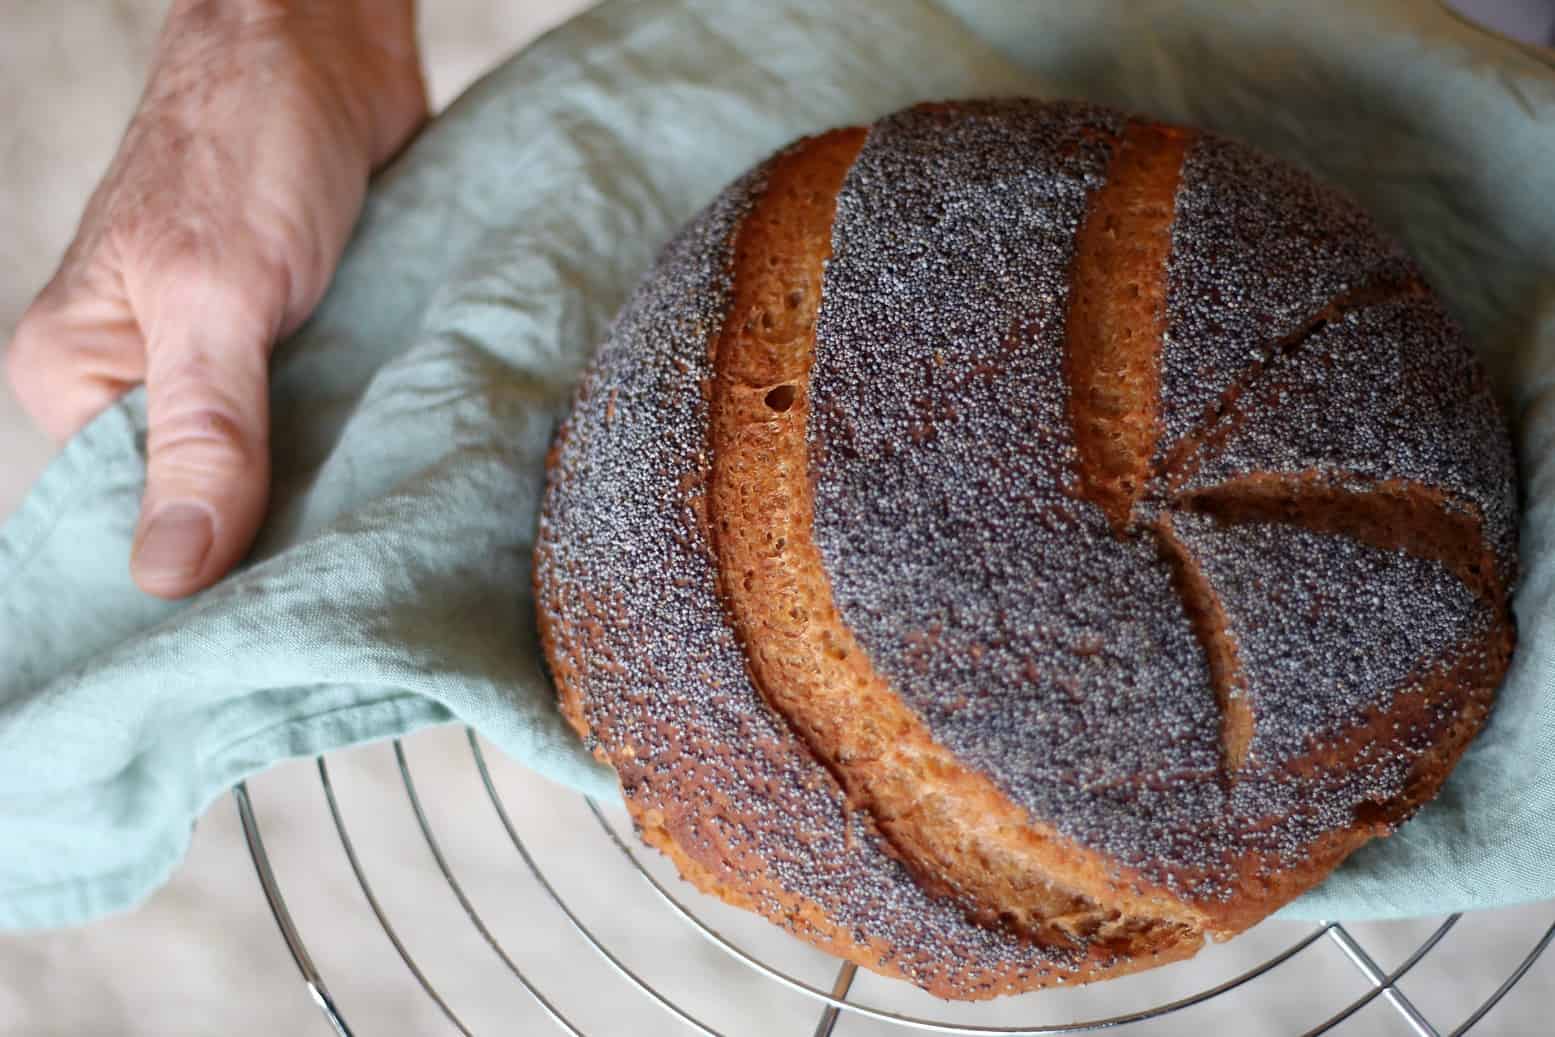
(214, 232)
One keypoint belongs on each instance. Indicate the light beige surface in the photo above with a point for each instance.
(203, 956)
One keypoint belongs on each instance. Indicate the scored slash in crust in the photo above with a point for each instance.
(1008, 543)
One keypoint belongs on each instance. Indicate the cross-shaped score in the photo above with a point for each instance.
(1010, 543)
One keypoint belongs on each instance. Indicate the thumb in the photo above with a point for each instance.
(207, 444)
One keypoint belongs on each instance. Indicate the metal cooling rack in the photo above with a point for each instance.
(831, 1009)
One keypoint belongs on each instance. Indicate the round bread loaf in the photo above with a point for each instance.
(1009, 542)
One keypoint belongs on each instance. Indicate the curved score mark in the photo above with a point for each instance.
(1219, 420)
(1117, 317)
(1117, 321)
(808, 664)
(1390, 514)
(1212, 629)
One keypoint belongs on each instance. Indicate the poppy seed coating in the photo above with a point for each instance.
(1258, 248)
(1038, 646)
(1264, 652)
(668, 698)
(1387, 392)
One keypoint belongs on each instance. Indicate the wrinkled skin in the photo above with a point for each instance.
(214, 232)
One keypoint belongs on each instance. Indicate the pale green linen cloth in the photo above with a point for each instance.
(390, 587)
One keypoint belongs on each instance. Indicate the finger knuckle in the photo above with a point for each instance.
(197, 246)
(199, 378)
(291, 250)
(204, 441)
(243, 292)
(204, 410)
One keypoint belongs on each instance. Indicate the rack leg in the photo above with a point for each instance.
(839, 990)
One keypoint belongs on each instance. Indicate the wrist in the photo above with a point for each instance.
(361, 56)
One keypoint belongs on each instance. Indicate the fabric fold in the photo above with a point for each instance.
(390, 587)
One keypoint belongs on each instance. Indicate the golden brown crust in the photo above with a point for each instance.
(1445, 713)
(1117, 316)
(950, 823)
(1207, 614)
(710, 805)
(955, 826)
(1390, 513)
(1429, 720)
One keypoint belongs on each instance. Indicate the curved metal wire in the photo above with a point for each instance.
(577, 923)
(372, 902)
(834, 1002)
(1363, 961)
(282, 915)
(464, 901)
(1391, 979)
(1511, 981)
(935, 1025)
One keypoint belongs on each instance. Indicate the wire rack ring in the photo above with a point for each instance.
(830, 1003)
